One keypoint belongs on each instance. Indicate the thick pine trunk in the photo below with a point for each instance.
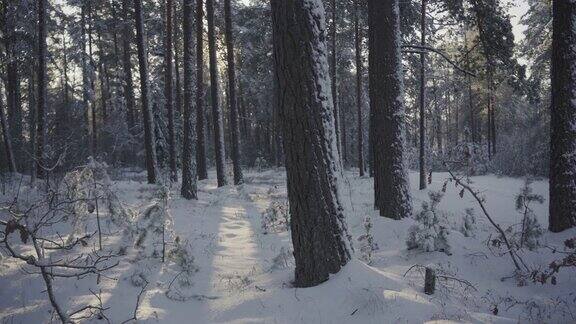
(149, 136)
(214, 92)
(127, 67)
(319, 232)
(42, 89)
(189, 186)
(232, 102)
(200, 120)
(168, 80)
(358, 47)
(563, 118)
(391, 186)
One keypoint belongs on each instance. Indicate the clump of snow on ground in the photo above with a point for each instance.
(242, 271)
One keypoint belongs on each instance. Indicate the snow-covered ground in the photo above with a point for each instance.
(244, 272)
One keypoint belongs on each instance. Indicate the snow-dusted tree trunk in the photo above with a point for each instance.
(563, 118)
(149, 136)
(358, 48)
(200, 123)
(168, 80)
(319, 233)
(189, 187)
(232, 102)
(7, 136)
(127, 66)
(333, 77)
(42, 88)
(391, 186)
(422, 143)
(214, 92)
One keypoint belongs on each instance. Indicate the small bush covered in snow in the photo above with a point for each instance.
(276, 218)
(530, 231)
(468, 223)
(366, 240)
(430, 233)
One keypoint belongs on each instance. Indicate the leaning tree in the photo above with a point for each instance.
(319, 233)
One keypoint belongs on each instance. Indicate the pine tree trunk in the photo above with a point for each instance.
(7, 136)
(149, 136)
(94, 140)
(177, 79)
(86, 80)
(14, 109)
(333, 77)
(310, 146)
(200, 123)
(168, 80)
(127, 67)
(391, 186)
(358, 47)
(235, 130)
(563, 118)
(42, 88)
(214, 92)
(422, 143)
(189, 186)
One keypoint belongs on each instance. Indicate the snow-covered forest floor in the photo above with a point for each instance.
(242, 266)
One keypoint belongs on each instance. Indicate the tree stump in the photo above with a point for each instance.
(429, 281)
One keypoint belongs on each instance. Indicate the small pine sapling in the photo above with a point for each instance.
(468, 223)
(430, 233)
(366, 240)
(531, 230)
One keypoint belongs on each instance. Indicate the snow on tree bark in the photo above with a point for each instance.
(200, 124)
(235, 130)
(149, 137)
(189, 186)
(319, 234)
(214, 92)
(391, 186)
(563, 118)
(168, 80)
(358, 54)
(333, 77)
(127, 67)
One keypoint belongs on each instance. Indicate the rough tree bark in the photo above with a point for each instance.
(319, 232)
(200, 124)
(391, 186)
(358, 47)
(189, 186)
(127, 66)
(563, 118)
(168, 80)
(422, 143)
(232, 102)
(214, 92)
(333, 77)
(7, 136)
(149, 136)
(42, 88)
